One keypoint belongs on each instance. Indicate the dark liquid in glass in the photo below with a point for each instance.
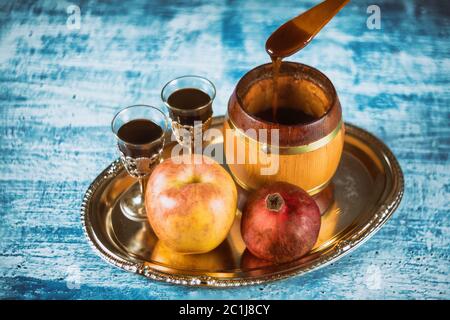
(194, 105)
(136, 135)
(285, 116)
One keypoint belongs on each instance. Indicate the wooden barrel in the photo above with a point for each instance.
(306, 154)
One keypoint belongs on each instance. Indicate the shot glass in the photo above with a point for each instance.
(189, 102)
(140, 132)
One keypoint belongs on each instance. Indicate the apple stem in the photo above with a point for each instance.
(274, 202)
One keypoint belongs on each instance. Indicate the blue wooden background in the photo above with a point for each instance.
(60, 88)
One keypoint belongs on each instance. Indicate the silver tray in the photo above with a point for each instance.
(368, 187)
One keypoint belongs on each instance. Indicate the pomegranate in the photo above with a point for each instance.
(280, 222)
(249, 261)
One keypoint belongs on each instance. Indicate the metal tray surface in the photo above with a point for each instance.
(368, 187)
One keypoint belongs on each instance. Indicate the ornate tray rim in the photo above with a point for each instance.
(343, 247)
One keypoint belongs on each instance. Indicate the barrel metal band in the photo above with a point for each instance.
(311, 192)
(267, 148)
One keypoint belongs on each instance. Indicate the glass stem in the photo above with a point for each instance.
(143, 185)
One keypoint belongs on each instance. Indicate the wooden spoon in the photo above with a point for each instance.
(298, 32)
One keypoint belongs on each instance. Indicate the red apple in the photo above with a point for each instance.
(280, 222)
(191, 203)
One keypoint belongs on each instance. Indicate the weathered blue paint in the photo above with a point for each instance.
(60, 87)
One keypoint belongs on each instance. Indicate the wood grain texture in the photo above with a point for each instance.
(298, 86)
(60, 88)
(311, 171)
